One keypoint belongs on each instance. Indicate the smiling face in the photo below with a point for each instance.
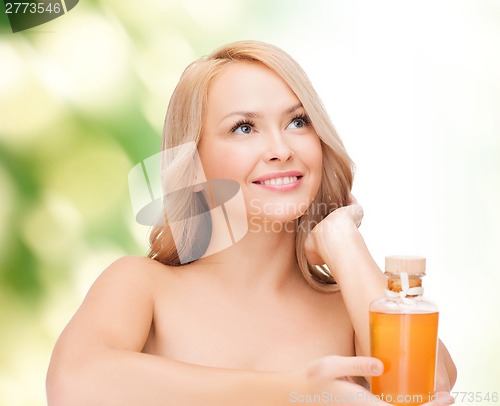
(257, 133)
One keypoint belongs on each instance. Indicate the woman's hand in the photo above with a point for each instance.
(342, 220)
(329, 380)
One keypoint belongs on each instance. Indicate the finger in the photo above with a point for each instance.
(334, 366)
(352, 199)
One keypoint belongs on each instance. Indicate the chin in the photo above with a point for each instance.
(272, 224)
(276, 217)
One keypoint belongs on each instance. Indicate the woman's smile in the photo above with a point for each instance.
(280, 182)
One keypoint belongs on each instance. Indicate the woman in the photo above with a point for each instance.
(256, 323)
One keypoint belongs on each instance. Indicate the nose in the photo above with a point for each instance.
(278, 149)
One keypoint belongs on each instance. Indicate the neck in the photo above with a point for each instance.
(264, 258)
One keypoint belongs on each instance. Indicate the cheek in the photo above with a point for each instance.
(313, 158)
(220, 162)
(312, 155)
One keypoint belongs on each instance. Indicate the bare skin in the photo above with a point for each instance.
(242, 326)
(269, 329)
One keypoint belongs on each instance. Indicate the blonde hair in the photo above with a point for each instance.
(183, 123)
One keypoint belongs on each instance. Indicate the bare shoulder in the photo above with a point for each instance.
(119, 307)
(141, 272)
(132, 266)
(135, 280)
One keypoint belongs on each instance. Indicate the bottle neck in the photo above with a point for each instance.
(404, 285)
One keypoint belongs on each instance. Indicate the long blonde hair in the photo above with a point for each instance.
(183, 123)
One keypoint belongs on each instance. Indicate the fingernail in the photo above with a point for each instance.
(376, 369)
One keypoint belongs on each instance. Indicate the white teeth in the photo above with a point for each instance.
(280, 181)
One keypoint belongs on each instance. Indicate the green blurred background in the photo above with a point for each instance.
(413, 88)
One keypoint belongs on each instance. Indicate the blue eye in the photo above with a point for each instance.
(242, 127)
(299, 122)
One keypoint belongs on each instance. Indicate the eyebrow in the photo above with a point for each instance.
(253, 114)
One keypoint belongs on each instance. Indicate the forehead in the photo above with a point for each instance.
(248, 84)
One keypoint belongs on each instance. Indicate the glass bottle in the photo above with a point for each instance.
(403, 335)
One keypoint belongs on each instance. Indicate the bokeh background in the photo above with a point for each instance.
(413, 88)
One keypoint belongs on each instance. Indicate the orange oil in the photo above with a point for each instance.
(406, 344)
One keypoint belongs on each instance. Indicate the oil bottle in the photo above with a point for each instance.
(403, 335)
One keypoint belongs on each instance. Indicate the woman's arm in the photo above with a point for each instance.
(116, 377)
(337, 242)
(98, 360)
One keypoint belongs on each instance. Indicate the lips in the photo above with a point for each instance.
(280, 181)
(278, 176)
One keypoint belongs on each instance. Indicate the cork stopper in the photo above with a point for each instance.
(412, 265)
